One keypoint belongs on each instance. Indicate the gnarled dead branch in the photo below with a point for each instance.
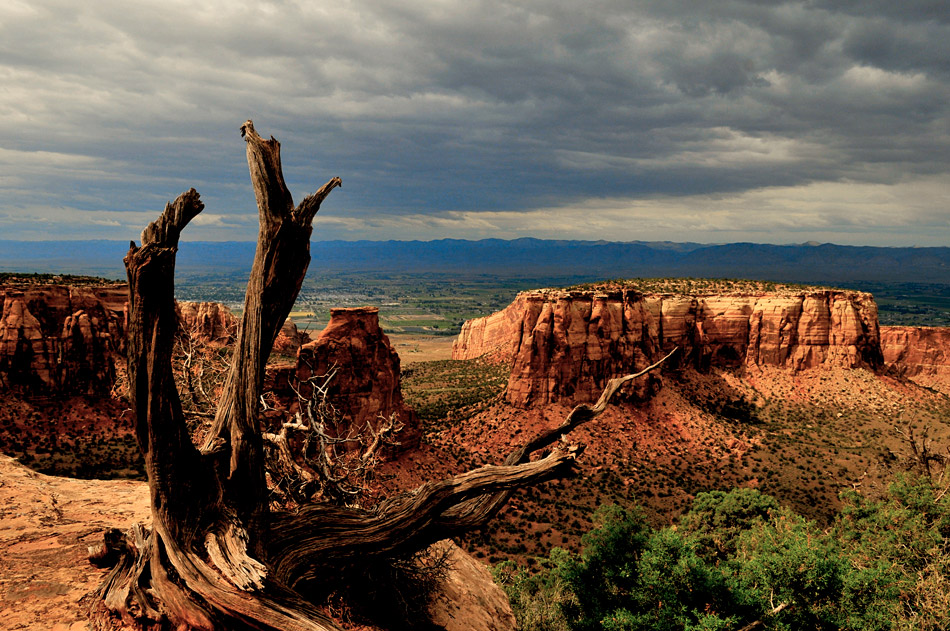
(216, 556)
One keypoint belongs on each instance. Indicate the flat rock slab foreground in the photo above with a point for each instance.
(46, 524)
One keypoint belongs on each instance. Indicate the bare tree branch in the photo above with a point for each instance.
(216, 557)
(307, 540)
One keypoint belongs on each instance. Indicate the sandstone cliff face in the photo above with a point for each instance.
(366, 384)
(566, 344)
(208, 322)
(57, 339)
(919, 353)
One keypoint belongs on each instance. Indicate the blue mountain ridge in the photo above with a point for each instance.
(526, 257)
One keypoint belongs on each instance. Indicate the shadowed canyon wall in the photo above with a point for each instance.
(565, 344)
(61, 340)
(66, 339)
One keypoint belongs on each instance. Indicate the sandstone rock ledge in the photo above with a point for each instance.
(565, 344)
(46, 524)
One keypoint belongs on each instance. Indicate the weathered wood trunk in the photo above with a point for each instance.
(216, 557)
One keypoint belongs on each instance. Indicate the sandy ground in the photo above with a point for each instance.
(414, 348)
(46, 524)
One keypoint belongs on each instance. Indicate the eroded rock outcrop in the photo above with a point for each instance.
(365, 385)
(290, 338)
(919, 353)
(57, 339)
(214, 324)
(566, 344)
(207, 322)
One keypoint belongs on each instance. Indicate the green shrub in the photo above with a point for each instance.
(740, 558)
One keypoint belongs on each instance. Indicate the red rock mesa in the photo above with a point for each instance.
(565, 344)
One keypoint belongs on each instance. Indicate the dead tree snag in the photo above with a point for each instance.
(216, 556)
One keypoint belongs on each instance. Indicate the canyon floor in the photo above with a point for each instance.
(414, 349)
(802, 437)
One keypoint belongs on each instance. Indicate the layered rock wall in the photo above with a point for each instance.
(207, 322)
(365, 387)
(566, 344)
(57, 339)
(66, 339)
(919, 353)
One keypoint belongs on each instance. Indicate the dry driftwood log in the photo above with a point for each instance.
(217, 557)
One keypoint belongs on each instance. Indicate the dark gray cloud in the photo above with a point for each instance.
(480, 118)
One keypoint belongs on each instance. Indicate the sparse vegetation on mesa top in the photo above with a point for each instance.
(695, 286)
(33, 278)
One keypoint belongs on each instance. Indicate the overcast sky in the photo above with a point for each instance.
(713, 121)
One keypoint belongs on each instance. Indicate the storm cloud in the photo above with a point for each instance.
(711, 122)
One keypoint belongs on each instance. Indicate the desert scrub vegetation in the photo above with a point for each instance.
(810, 436)
(449, 390)
(738, 560)
(36, 278)
(695, 286)
(81, 437)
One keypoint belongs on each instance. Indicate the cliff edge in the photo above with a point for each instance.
(563, 344)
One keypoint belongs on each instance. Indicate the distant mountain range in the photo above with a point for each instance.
(521, 258)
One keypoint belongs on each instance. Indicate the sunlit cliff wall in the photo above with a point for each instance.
(566, 344)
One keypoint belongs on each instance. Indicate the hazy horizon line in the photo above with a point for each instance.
(486, 239)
